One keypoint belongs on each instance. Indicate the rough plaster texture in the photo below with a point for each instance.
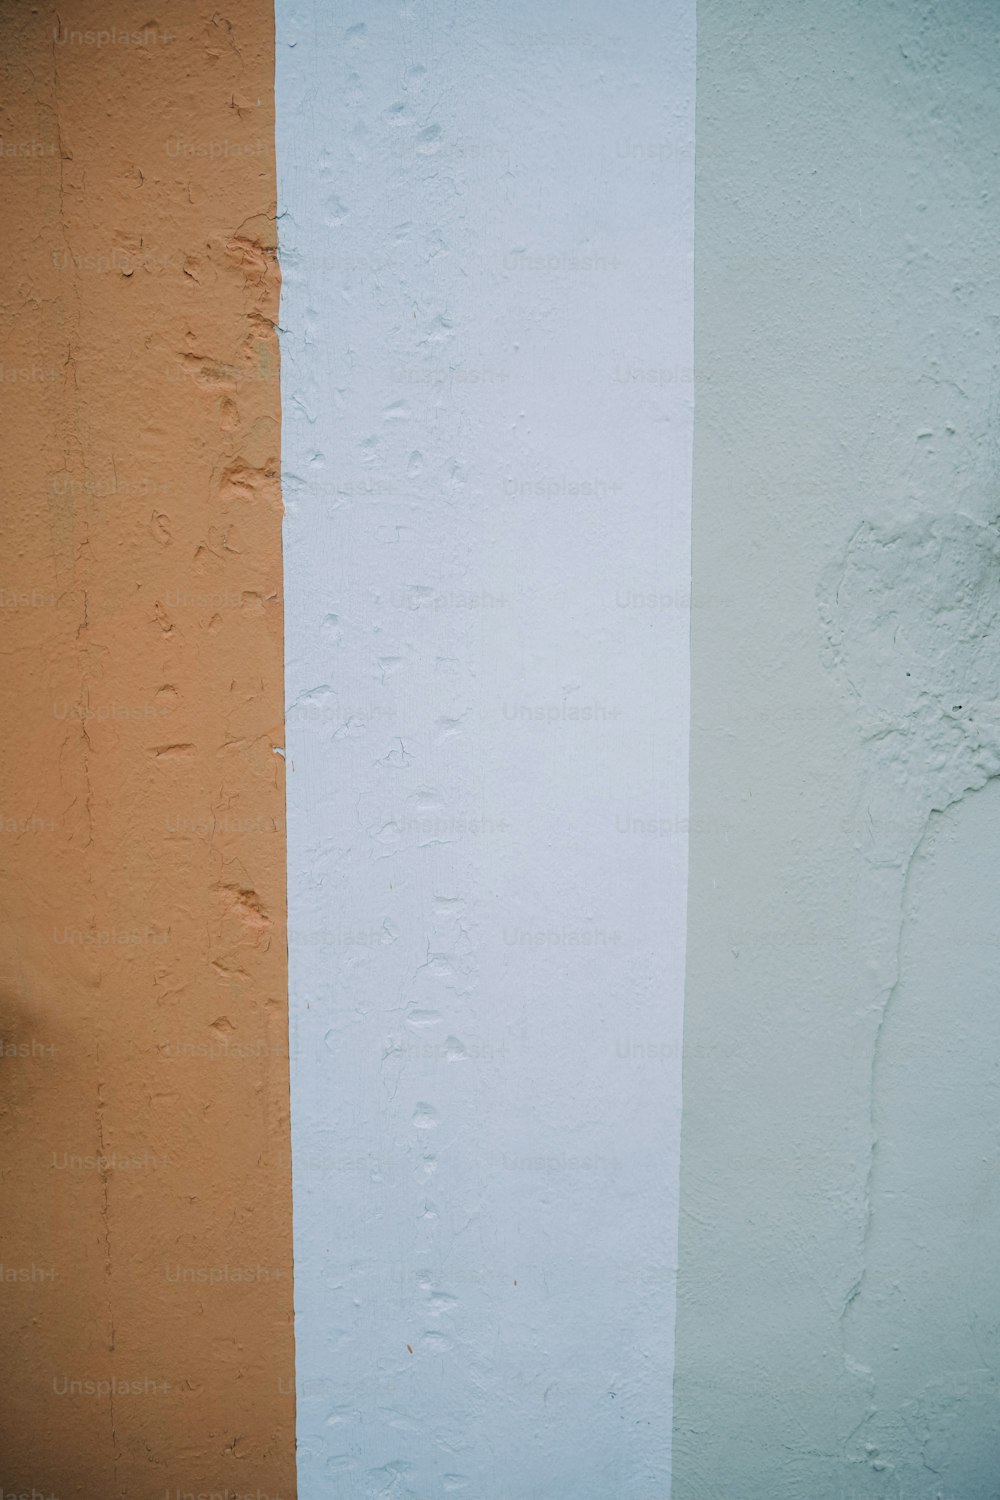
(839, 1311)
(485, 235)
(145, 1301)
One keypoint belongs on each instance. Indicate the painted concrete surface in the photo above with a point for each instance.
(485, 239)
(145, 1233)
(839, 1313)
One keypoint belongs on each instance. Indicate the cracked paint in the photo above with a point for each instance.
(912, 624)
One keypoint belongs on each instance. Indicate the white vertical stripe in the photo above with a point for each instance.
(486, 246)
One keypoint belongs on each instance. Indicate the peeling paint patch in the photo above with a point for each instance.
(912, 625)
(911, 620)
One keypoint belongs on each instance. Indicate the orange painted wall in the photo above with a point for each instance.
(144, 1150)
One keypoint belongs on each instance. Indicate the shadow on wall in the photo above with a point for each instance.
(53, 1266)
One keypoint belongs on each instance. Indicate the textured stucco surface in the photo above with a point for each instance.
(485, 236)
(145, 1302)
(839, 1309)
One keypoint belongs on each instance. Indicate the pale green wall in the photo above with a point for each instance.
(839, 1293)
